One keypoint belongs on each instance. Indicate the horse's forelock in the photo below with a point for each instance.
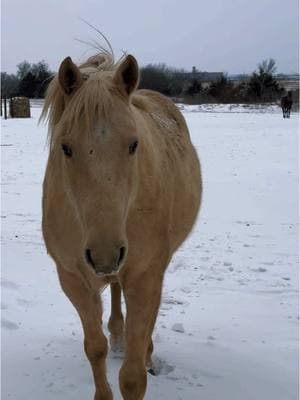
(92, 100)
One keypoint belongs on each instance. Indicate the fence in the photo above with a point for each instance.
(19, 107)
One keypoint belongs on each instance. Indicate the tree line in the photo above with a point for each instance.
(31, 80)
(261, 86)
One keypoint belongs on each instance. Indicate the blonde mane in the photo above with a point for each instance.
(92, 99)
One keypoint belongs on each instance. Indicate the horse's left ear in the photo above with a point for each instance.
(69, 76)
(127, 75)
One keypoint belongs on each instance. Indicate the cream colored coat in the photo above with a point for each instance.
(121, 193)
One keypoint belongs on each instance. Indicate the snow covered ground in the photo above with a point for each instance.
(228, 323)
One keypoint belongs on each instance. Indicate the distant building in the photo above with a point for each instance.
(202, 76)
(288, 82)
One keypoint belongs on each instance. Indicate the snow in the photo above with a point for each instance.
(178, 328)
(231, 288)
(231, 108)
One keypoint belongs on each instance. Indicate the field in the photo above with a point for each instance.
(228, 323)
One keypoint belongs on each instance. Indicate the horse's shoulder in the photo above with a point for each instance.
(156, 104)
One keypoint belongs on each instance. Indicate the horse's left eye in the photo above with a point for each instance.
(132, 147)
(67, 150)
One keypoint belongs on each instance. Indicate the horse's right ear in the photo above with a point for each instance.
(69, 76)
(127, 75)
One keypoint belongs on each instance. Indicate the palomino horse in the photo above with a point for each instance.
(286, 105)
(121, 193)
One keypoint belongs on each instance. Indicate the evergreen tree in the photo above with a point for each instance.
(9, 84)
(42, 77)
(194, 87)
(262, 85)
(34, 78)
(221, 89)
(27, 86)
(22, 69)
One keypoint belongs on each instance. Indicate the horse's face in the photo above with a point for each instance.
(99, 169)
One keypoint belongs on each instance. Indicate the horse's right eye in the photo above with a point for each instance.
(132, 147)
(67, 150)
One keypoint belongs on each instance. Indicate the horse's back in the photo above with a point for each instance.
(286, 101)
(159, 106)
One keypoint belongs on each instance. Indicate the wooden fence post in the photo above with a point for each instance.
(11, 109)
(5, 108)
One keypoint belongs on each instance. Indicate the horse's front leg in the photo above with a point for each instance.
(142, 296)
(116, 320)
(88, 305)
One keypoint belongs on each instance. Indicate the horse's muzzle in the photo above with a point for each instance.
(106, 268)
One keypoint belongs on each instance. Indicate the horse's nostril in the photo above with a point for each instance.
(121, 255)
(88, 257)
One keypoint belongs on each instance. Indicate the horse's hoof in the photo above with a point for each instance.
(117, 344)
(151, 371)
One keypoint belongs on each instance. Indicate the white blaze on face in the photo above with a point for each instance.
(104, 134)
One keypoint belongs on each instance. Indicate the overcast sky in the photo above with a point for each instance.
(214, 35)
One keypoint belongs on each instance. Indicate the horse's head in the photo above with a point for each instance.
(98, 145)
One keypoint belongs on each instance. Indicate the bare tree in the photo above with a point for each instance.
(267, 67)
